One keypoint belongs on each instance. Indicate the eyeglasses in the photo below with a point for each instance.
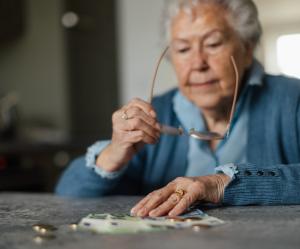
(207, 135)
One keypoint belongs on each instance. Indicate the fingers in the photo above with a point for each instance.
(134, 137)
(136, 116)
(138, 208)
(166, 207)
(134, 125)
(145, 106)
(140, 122)
(152, 201)
(186, 201)
(174, 199)
(136, 112)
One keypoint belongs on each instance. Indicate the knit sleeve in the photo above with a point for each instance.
(274, 185)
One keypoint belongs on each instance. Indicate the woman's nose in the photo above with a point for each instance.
(199, 61)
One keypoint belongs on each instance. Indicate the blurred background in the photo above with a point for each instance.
(66, 65)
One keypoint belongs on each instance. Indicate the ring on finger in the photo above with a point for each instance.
(125, 115)
(180, 193)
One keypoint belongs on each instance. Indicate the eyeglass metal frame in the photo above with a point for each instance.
(207, 135)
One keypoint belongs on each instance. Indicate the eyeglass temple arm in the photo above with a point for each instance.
(155, 73)
(170, 130)
(234, 98)
(235, 94)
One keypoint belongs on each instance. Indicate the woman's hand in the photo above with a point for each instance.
(134, 125)
(180, 194)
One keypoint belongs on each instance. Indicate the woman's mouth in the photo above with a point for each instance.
(202, 83)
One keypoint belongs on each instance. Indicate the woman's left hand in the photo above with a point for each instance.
(178, 195)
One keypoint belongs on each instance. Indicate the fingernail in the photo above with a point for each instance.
(132, 211)
(153, 114)
(153, 214)
(141, 213)
(174, 213)
(171, 214)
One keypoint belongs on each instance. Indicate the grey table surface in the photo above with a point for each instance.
(246, 227)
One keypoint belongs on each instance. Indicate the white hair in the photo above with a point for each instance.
(243, 16)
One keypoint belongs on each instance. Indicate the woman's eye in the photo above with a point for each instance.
(183, 50)
(214, 45)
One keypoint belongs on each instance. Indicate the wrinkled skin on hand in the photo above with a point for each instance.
(165, 201)
(134, 125)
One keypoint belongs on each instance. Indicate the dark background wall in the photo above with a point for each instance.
(65, 78)
(33, 65)
(91, 61)
(59, 79)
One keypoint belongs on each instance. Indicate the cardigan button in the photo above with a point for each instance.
(260, 173)
(271, 173)
(247, 173)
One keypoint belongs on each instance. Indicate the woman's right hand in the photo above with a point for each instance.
(134, 125)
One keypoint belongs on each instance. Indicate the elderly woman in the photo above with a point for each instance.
(256, 163)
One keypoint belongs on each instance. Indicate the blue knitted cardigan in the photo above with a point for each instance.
(271, 177)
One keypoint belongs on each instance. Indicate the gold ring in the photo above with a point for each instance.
(124, 116)
(179, 192)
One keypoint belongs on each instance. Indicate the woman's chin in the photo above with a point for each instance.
(206, 101)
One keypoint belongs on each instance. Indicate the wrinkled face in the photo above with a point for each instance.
(201, 46)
